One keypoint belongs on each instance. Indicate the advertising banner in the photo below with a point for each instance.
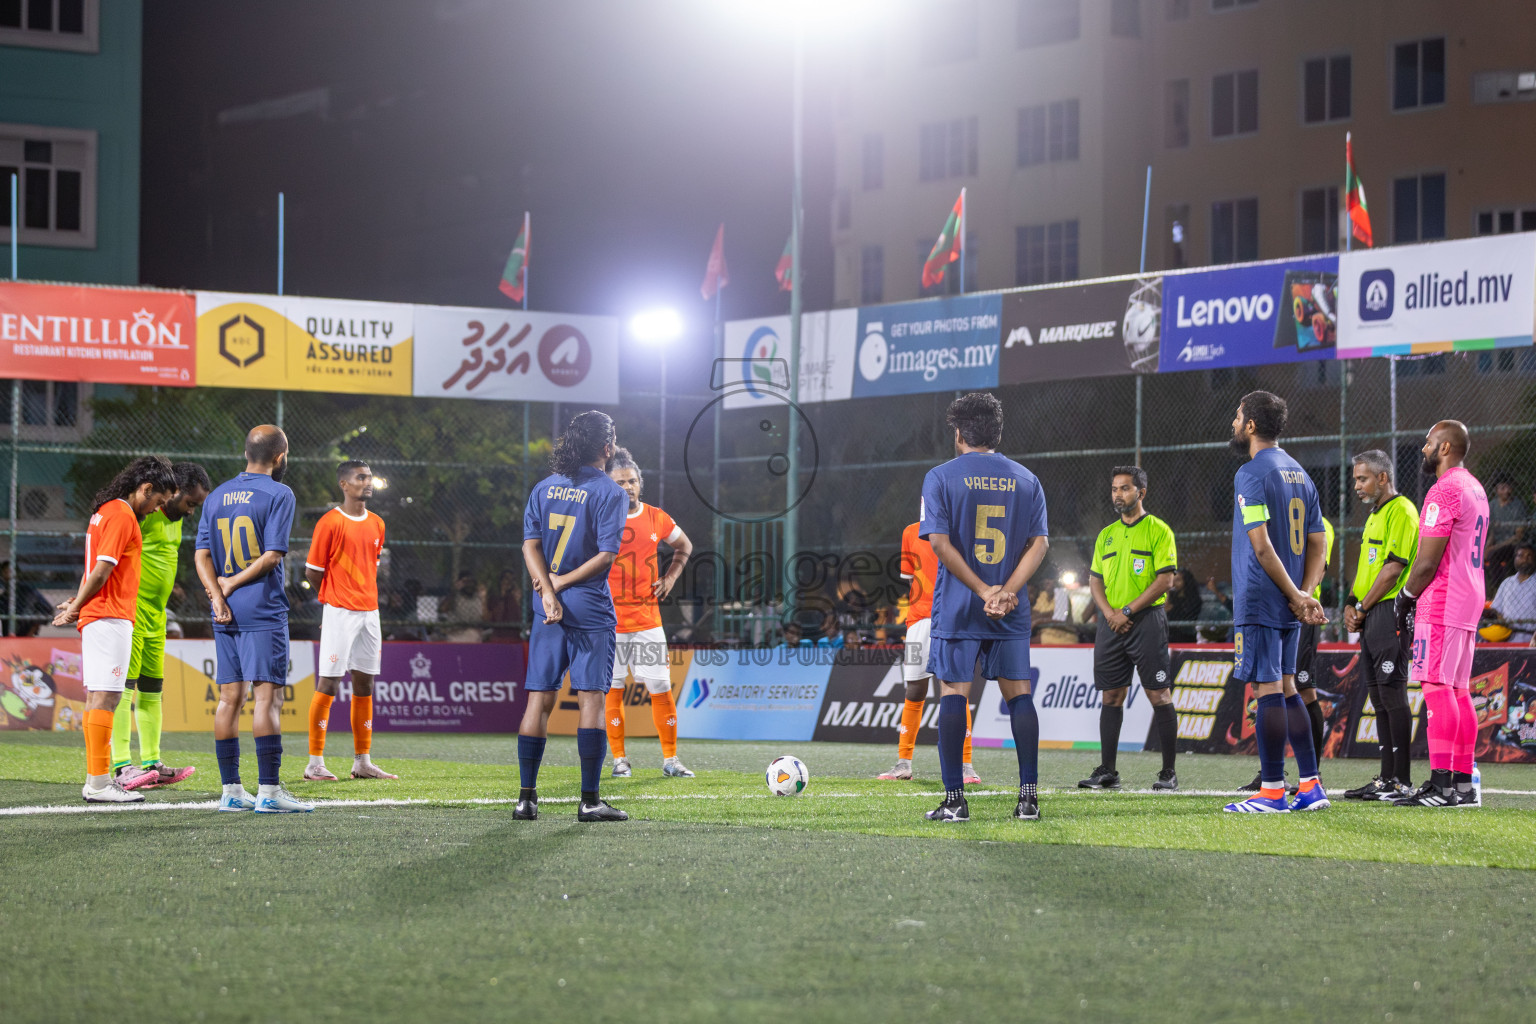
(301, 344)
(1281, 312)
(1102, 329)
(443, 688)
(40, 684)
(756, 364)
(513, 356)
(637, 700)
(948, 344)
(865, 694)
(106, 335)
(758, 694)
(1471, 294)
(1066, 701)
(192, 695)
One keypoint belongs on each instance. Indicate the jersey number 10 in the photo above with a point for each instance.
(239, 538)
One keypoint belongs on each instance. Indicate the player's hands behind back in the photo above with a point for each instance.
(67, 614)
(999, 602)
(1309, 610)
(552, 609)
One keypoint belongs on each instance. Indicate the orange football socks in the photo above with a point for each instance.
(966, 757)
(664, 714)
(362, 724)
(319, 717)
(614, 719)
(911, 721)
(98, 741)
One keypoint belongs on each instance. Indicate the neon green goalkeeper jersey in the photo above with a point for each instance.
(157, 574)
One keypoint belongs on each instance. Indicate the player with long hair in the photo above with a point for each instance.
(573, 527)
(103, 609)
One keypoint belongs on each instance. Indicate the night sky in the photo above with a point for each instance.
(410, 136)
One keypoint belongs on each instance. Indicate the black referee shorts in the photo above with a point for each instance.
(1382, 658)
(1144, 649)
(1306, 654)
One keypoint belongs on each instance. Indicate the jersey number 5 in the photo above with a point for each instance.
(1296, 512)
(992, 552)
(564, 524)
(239, 539)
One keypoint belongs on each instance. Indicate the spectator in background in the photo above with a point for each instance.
(1184, 604)
(793, 637)
(465, 610)
(1215, 614)
(1514, 605)
(505, 606)
(398, 618)
(29, 602)
(1507, 511)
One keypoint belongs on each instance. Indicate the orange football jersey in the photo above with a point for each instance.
(634, 572)
(114, 536)
(921, 566)
(347, 550)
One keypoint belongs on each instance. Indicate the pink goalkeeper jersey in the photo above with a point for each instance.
(1455, 507)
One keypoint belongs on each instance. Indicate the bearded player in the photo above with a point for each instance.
(920, 565)
(161, 531)
(104, 609)
(1439, 605)
(1278, 547)
(984, 514)
(343, 564)
(640, 642)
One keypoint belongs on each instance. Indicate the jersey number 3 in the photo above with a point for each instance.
(991, 552)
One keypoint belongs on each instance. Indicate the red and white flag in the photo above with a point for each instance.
(716, 274)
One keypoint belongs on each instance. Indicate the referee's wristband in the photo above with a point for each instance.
(1410, 595)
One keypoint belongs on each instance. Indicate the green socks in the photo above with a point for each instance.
(147, 713)
(122, 730)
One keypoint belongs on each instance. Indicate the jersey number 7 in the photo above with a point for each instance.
(997, 543)
(564, 524)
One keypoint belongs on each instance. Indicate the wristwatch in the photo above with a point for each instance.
(1126, 611)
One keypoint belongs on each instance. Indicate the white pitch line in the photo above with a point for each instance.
(481, 801)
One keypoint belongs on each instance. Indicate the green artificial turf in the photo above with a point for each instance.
(720, 903)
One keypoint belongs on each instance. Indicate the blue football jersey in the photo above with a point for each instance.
(243, 519)
(989, 506)
(574, 518)
(1273, 489)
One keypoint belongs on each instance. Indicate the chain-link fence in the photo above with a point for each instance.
(456, 475)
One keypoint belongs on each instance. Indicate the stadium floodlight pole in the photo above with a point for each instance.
(15, 231)
(661, 327)
(281, 227)
(792, 435)
(1146, 208)
(10, 584)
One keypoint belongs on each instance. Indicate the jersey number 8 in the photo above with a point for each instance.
(992, 552)
(1296, 512)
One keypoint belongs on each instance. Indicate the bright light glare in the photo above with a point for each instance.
(380, 484)
(657, 325)
(820, 16)
(1068, 578)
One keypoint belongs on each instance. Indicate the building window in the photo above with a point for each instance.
(1125, 19)
(1418, 74)
(1320, 219)
(1503, 86)
(1418, 208)
(872, 275)
(1506, 222)
(1178, 10)
(1325, 89)
(51, 24)
(1044, 253)
(874, 162)
(947, 149)
(1043, 22)
(1176, 220)
(1235, 231)
(50, 410)
(1048, 133)
(1235, 103)
(1502, 361)
(57, 171)
(1421, 366)
(1176, 113)
(1227, 5)
(950, 32)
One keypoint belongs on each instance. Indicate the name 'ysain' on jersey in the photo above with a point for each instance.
(574, 518)
(989, 506)
(1272, 489)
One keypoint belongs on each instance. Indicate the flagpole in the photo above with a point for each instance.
(965, 212)
(1349, 226)
(715, 521)
(527, 248)
(1146, 211)
(15, 232)
(281, 245)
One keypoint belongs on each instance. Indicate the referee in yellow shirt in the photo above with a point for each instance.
(1134, 561)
